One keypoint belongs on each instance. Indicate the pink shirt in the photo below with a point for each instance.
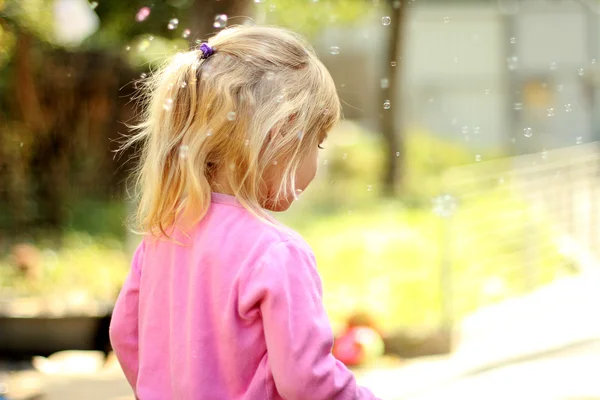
(236, 314)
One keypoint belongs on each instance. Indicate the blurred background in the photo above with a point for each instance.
(454, 219)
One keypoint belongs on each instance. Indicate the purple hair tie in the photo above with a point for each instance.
(206, 50)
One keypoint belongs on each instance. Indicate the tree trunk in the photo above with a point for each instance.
(389, 127)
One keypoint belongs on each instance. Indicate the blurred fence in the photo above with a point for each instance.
(553, 231)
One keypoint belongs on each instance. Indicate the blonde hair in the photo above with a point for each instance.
(263, 98)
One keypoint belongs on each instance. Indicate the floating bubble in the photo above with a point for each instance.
(386, 20)
(150, 38)
(528, 132)
(168, 104)
(269, 75)
(455, 59)
(476, 130)
(186, 33)
(259, 1)
(544, 154)
(393, 63)
(183, 85)
(464, 130)
(444, 206)
(93, 5)
(486, 91)
(231, 115)
(173, 24)
(142, 14)
(143, 75)
(568, 107)
(334, 50)
(183, 151)
(518, 106)
(385, 83)
(553, 66)
(513, 40)
(550, 112)
(512, 63)
(127, 48)
(560, 87)
(369, 188)
(272, 7)
(579, 140)
(397, 154)
(387, 105)
(446, 20)
(580, 71)
(478, 157)
(220, 21)
(209, 133)
(246, 142)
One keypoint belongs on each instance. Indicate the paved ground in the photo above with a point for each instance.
(572, 373)
(569, 374)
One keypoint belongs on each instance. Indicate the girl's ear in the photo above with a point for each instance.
(280, 128)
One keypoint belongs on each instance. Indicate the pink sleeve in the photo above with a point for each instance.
(124, 321)
(287, 289)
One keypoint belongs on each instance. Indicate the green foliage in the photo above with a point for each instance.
(385, 256)
(311, 17)
(35, 16)
(98, 218)
(93, 268)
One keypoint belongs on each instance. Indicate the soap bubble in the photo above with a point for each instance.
(334, 50)
(444, 206)
(220, 21)
(386, 20)
(186, 33)
(387, 105)
(512, 63)
(142, 14)
(183, 151)
(173, 24)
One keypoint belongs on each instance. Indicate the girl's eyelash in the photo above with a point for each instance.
(321, 147)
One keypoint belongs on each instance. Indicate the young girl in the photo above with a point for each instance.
(221, 301)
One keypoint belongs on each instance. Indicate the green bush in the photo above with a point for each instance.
(384, 256)
(93, 267)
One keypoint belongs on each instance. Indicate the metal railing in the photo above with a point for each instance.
(543, 223)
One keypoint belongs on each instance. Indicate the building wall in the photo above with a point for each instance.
(463, 77)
